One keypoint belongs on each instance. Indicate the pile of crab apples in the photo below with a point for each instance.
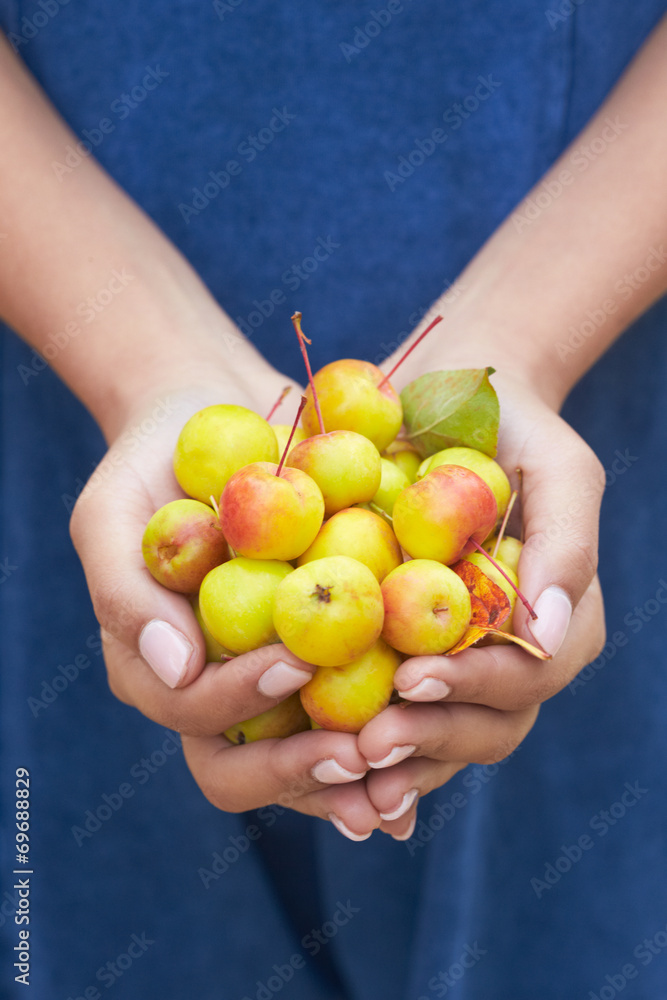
(334, 538)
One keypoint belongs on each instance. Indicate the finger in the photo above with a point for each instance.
(446, 732)
(507, 677)
(563, 482)
(348, 807)
(395, 791)
(403, 828)
(107, 528)
(222, 695)
(238, 778)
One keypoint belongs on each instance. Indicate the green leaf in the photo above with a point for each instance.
(452, 409)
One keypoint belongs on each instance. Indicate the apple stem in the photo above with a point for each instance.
(378, 510)
(286, 391)
(215, 506)
(438, 319)
(296, 320)
(291, 435)
(503, 573)
(499, 538)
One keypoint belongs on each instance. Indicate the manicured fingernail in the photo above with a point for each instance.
(282, 679)
(408, 833)
(429, 689)
(553, 610)
(394, 756)
(406, 802)
(330, 772)
(345, 830)
(166, 650)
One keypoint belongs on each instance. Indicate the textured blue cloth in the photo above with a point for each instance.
(334, 105)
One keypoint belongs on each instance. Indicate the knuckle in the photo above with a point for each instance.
(586, 555)
(117, 688)
(114, 610)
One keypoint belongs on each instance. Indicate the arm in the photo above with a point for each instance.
(158, 351)
(542, 300)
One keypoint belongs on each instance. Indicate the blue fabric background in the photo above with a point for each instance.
(419, 907)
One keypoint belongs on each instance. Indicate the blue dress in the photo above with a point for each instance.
(286, 148)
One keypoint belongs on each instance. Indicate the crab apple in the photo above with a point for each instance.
(393, 481)
(329, 611)
(485, 467)
(350, 400)
(437, 516)
(345, 698)
(284, 719)
(509, 551)
(360, 534)
(215, 651)
(215, 443)
(283, 431)
(183, 541)
(269, 516)
(405, 456)
(236, 602)
(345, 465)
(426, 607)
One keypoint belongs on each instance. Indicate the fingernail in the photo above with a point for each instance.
(282, 679)
(406, 802)
(408, 833)
(165, 650)
(553, 610)
(394, 756)
(330, 772)
(429, 689)
(345, 830)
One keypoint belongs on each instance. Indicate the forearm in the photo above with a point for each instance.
(89, 281)
(580, 258)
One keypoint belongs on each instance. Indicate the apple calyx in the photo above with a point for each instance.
(438, 319)
(292, 433)
(303, 340)
(502, 572)
(323, 594)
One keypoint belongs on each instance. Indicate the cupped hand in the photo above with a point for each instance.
(478, 705)
(154, 649)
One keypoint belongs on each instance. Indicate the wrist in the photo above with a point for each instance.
(169, 339)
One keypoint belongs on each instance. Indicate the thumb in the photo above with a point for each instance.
(563, 483)
(158, 624)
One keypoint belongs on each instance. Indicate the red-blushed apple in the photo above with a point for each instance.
(269, 516)
(436, 517)
(183, 541)
(345, 698)
(485, 467)
(426, 607)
